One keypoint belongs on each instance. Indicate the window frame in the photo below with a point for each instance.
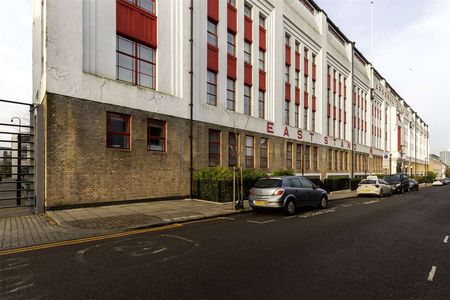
(247, 100)
(264, 159)
(231, 44)
(247, 52)
(289, 154)
(213, 84)
(163, 125)
(212, 34)
(217, 155)
(261, 104)
(110, 133)
(137, 3)
(251, 147)
(232, 91)
(233, 147)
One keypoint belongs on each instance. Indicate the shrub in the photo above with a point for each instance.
(216, 173)
(283, 172)
(252, 174)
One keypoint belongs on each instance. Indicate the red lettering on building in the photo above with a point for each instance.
(269, 127)
(286, 131)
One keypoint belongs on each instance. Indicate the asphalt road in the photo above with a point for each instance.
(364, 248)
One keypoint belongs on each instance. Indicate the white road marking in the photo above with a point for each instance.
(346, 205)
(431, 274)
(181, 238)
(289, 217)
(446, 239)
(316, 213)
(370, 202)
(225, 218)
(260, 222)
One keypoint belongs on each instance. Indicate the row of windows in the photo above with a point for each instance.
(118, 134)
(301, 157)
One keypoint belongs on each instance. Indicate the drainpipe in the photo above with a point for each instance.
(353, 107)
(191, 105)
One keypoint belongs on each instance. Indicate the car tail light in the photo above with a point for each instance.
(377, 186)
(278, 192)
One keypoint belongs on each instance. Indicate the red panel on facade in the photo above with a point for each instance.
(305, 99)
(297, 61)
(334, 85)
(136, 24)
(287, 91)
(297, 96)
(248, 29)
(365, 126)
(213, 10)
(306, 67)
(262, 80)
(231, 67)
(314, 103)
(328, 81)
(213, 58)
(248, 70)
(262, 38)
(287, 55)
(399, 138)
(334, 112)
(232, 18)
(365, 106)
(314, 72)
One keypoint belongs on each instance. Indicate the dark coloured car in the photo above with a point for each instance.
(398, 182)
(287, 193)
(413, 185)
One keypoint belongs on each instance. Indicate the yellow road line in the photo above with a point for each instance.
(86, 240)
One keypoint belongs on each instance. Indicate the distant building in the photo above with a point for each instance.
(445, 156)
(437, 166)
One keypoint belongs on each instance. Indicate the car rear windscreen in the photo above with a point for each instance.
(268, 183)
(367, 181)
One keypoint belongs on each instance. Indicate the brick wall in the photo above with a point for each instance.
(80, 168)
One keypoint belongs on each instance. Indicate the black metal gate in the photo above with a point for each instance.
(17, 167)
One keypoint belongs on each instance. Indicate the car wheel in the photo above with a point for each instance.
(381, 195)
(289, 208)
(323, 202)
(402, 191)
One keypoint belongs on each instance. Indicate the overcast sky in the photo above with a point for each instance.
(411, 50)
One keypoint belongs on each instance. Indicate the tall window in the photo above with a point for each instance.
(286, 73)
(249, 152)
(231, 44)
(247, 99)
(247, 52)
(147, 5)
(212, 33)
(247, 10)
(298, 156)
(214, 147)
(211, 93)
(264, 153)
(233, 139)
(118, 130)
(262, 21)
(262, 60)
(289, 155)
(313, 88)
(156, 135)
(296, 112)
(330, 159)
(314, 158)
(307, 155)
(336, 160)
(286, 112)
(231, 94)
(305, 118)
(135, 63)
(261, 105)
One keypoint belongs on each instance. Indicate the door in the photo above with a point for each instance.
(301, 195)
(308, 188)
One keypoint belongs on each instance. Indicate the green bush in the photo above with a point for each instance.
(252, 174)
(283, 172)
(216, 173)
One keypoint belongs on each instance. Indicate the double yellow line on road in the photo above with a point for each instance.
(88, 239)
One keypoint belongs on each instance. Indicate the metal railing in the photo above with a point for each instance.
(17, 166)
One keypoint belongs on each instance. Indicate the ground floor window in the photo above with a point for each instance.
(233, 140)
(156, 135)
(314, 158)
(118, 130)
(289, 155)
(214, 147)
(298, 157)
(307, 154)
(249, 152)
(264, 153)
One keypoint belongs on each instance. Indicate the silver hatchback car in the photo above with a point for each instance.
(287, 193)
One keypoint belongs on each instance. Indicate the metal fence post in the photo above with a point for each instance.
(39, 171)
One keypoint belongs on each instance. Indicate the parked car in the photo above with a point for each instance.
(373, 186)
(438, 182)
(398, 182)
(413, 185)
(447, 180)
(287, 193)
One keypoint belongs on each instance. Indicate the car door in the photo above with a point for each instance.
(300, 196)
(312, 197)
(386, 188)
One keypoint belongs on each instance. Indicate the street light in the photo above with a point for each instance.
(20, 121)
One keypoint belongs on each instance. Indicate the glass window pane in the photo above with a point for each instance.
(145, 68)
(124, 61)
(125, 45)
(119, 141)
(145, 80)
(124, 74)
(146, 53)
